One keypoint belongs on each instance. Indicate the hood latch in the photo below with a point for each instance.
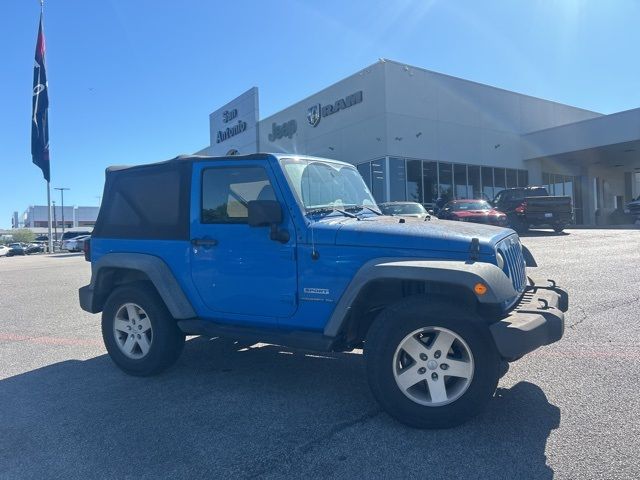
(474, 250)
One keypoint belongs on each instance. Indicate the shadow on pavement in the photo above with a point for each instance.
(243, 413)
(66, 255)
(543, 233)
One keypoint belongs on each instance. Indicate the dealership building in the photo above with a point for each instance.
(416, 135)
(37, 216)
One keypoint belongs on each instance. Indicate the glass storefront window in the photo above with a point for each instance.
(379, 180)
(474, 181)
(512, 178)
(446, 180)
(487, 182)
(523, 178)
(498, 180)
(365, 172)
(546, 182)
(558, 185)
(430, 179)
(568, 187)
(397, 179)
(460, 180)
(414, 181)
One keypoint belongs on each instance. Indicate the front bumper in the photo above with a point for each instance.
(537, 320)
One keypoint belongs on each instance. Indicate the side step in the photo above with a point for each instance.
(294, 339)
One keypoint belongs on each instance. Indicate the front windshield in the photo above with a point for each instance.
(471, 206)
(326, 185)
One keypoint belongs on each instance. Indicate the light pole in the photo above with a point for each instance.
(62, 189)
(55, 226)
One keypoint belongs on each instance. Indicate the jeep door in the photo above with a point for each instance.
(239, 272)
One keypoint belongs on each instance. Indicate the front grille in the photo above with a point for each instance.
(515, 265)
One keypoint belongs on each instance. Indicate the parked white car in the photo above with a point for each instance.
(74, 244)
(3, 250)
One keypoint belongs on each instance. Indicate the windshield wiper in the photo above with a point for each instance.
(331, 210)
(362, 207)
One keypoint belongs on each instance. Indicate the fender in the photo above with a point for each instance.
(499, 287)
(153, 267)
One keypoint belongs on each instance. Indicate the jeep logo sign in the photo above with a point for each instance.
(287, 129)
(316, 112)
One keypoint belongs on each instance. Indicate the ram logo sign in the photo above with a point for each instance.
(313, 115)
(318, 111)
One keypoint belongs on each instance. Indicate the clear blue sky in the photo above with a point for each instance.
(134, 81)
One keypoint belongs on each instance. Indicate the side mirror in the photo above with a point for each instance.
(267, 213)
(263, 213)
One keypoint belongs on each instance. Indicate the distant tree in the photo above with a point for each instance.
(23, 235)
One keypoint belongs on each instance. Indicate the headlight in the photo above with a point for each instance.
(500, 259)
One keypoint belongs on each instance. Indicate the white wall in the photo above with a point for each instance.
(450, 119)
(606, 130)
(351, 134)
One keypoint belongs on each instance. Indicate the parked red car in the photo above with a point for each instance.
(477, 211)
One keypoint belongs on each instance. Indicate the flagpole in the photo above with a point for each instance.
(48, 182)
(49, 216)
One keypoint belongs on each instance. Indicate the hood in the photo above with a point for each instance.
(384, 231)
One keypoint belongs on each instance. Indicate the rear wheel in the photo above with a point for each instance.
(430, 365)
(521, 227)
(517, 224)
(139, 333)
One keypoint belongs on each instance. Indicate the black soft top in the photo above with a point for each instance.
(151, 201)
(186, 158)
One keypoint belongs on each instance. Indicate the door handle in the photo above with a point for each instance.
(204, 242)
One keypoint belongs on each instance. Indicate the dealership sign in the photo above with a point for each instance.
(287, 129)
(234, 126)
(232, 131)
(318, 111)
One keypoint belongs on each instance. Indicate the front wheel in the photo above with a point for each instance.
(429, 365)
(140, 334)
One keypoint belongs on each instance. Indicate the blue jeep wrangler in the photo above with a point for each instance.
(293, 251)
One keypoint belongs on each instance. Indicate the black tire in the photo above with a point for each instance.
(520, 227)
(393, 325)
(513, 221)
(558, 228)
(167, 339)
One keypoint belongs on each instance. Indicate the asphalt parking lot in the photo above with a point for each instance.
(570, 410)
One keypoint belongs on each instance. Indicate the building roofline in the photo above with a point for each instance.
(492, 86)
(601, 118)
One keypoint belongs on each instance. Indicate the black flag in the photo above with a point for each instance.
(39, 114)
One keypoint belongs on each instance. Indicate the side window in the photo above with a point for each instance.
(500, 197)
(227, 191)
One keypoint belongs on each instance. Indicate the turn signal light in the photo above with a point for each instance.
(480, 288)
